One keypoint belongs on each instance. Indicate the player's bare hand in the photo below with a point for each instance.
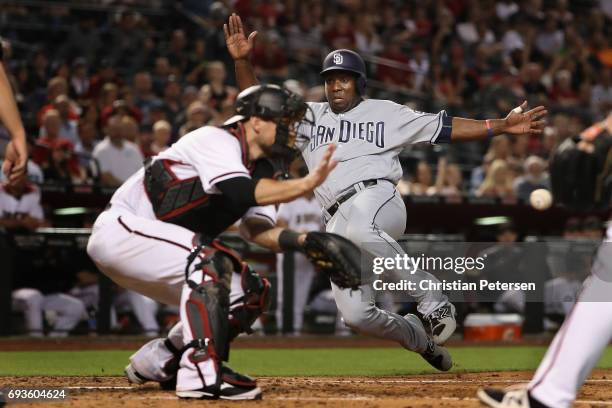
(316, 177)
(521, 121)
(15, 160)
(238, 45)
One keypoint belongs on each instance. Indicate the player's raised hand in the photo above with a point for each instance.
(316, 177)
(238, 45)
(522, 122)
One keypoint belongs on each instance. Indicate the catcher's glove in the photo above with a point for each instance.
(336, 256)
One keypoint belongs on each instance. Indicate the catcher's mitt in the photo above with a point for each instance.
(336, 256)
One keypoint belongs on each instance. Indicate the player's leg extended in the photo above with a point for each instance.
(581, 340)
(359, 311)
(375, 218)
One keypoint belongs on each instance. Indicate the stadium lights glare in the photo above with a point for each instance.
(491, 220)
(71, 211)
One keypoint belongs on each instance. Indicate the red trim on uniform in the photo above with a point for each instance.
(229, 380)
(239, 134)
(178, 211)
(227, 174)
(563, 331)
(131, 231)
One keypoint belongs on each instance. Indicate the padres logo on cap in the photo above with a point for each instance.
(338, 58)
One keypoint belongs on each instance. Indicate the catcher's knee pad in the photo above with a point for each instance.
(246, 309)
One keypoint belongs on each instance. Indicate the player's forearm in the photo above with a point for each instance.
(9, 114)
(269, 191)
(245, 74)
(269, 236)
(465, 130)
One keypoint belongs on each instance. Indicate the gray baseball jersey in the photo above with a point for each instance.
(369, 139)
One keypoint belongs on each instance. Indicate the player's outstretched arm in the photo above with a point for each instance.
(519, 121)
(269, 191)
(16, 156)
(240, 48)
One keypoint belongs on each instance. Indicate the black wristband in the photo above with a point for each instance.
(288, 240)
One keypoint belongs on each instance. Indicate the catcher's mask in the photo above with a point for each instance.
(285, 108)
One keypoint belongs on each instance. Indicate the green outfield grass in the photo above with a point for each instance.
(287, 362)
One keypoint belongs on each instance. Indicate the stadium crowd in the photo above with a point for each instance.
(117, 85)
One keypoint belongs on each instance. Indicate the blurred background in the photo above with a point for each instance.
(101, 85)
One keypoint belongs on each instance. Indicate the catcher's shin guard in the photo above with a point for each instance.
(207, 310)
(246, 309)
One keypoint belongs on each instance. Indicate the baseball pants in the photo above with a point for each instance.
(304, 273)
(374, 218)
(582, 339)
(67, 309)
(149, 257)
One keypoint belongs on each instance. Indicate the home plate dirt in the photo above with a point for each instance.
(446, 390)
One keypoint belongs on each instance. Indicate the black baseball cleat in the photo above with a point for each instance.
(437, 356)
(441, 323)
(508, 399)
(234, 386)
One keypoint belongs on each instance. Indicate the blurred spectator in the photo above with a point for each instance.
(419, 65)
(118, 158)
(144, 97)
(422, 180)
(572, 228)
(120, 107)
(497, 182)
(499, 148)
(161, 136)
(551, 39)
(172, 101)
(129, 129)
(87, 142)
(449, 180)
(562, 92)
(367, 41)
(79, 79)
(601, 93)
(535, 177)
(593, 228)
(396, 72)
(270, 58)
(20, 206)
(62, 311)
(198, 115)
(68, 127)
(52, 123)
(106, 75)
(340, 33)
(64, 165)
(217, 95)
(304, 37)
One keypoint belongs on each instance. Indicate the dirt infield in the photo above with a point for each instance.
(443, 390)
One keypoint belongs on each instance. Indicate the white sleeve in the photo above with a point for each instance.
(410, 127)
(284, 212)
(34, 208)
(215, 154)
(267, 213)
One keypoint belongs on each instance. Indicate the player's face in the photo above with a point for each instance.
(341, 91)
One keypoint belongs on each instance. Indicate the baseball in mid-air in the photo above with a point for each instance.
(540, 199)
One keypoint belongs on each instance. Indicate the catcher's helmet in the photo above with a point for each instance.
(273, 103)
(346, 60)
(269, 102)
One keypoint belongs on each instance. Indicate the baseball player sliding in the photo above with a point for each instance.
(156, 238)
(359, 198)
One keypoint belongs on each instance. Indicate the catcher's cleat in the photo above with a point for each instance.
(508, 399)
(441, 323)
(234, 386)
(437, 356)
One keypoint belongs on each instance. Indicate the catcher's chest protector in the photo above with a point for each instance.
(184, 202)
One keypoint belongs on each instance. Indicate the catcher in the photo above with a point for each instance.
(157, 237)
